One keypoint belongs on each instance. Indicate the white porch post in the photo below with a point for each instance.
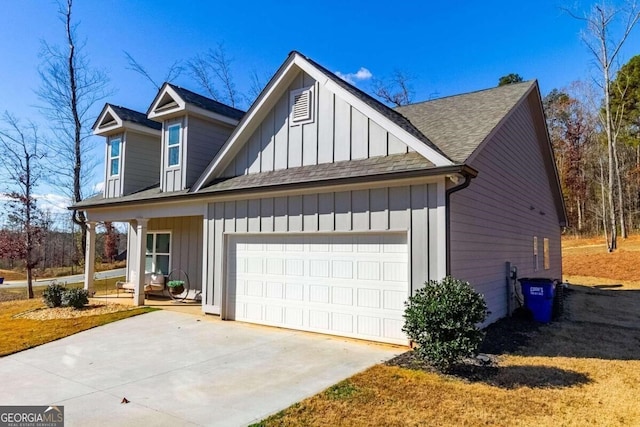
(90, 258)
(140, 259)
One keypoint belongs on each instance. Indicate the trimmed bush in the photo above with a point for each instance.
(76, 298)
(52, 295)
(442, 320)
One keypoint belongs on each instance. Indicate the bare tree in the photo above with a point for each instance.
(173, 72)
(22, 170)
(212, 71)
(395, 90)
(70, 89)
(598, 39)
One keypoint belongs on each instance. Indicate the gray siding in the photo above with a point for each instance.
(495, 219)
(399, 208)
(142, 166)
(203, 141)
(186, 245)
(339, 132)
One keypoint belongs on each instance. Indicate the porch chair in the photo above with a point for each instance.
(153, 282)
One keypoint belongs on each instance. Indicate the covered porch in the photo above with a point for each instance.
(159, 250)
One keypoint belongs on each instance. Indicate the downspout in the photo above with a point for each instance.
(467, 181)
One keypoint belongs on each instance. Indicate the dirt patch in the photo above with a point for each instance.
(45, 313)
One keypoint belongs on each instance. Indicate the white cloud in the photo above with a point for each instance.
(99, 187)
(53, 202)
(360, 75)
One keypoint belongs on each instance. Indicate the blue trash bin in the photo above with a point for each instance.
(538, 297)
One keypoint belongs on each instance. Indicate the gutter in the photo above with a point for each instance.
(468, 174)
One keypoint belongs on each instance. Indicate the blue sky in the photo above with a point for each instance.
(449, 47)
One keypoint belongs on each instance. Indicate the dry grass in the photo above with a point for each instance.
(584, 370)
(20, 333)
(589, 257)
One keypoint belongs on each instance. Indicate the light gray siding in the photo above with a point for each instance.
(186, 245)
(495, 219)
(142, 166)
(202, 142)
(338, 132)
(405, 208)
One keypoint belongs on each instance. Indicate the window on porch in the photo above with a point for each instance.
(158, 256)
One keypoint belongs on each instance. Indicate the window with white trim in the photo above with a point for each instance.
(301, 101)
(173, 145)
(545, 253)
(158, 255)
(114, 156)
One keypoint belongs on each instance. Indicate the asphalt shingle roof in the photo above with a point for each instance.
(207, 103)
(389, 113)
(327, 171)
(371, 167)
(458, 124)
(132, 116)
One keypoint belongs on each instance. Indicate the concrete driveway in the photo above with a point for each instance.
(180, 369)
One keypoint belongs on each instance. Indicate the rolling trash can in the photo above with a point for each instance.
(538, 297)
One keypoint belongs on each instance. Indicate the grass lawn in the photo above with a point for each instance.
(583, 370)
(18, 333)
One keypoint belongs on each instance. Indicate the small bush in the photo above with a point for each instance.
(442, 320)
(76, 298)
(52, 295)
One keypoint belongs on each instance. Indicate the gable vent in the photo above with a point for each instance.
(301, 106)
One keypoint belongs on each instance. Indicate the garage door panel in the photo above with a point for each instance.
(350, 285)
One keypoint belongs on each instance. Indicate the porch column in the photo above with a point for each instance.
(140, 259)
(90, 258)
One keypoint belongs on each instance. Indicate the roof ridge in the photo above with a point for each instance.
(180, 88)
(457, 95)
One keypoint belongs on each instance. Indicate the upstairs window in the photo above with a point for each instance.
(173, 145)
(114, 157)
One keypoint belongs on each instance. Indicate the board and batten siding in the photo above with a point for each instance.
(338, 132)
(416, 209)
(495, 219)
(186, 246)
(141, 166)
(203, 140)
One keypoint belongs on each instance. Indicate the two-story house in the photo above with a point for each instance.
(321, 209)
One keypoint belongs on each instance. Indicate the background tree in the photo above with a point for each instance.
(213, 72)
(173, 72)
(395, 90)
(625, 103)
(600, 23)
(510, 79)
(110, 242)
(22, 170)
(572, 130)
(70, 89)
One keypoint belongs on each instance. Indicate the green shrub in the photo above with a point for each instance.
(76, 298)
(442, 320)
(52, 295)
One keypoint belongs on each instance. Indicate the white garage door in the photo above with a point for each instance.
(349, 285)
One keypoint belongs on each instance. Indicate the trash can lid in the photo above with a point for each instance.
(536, 279)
